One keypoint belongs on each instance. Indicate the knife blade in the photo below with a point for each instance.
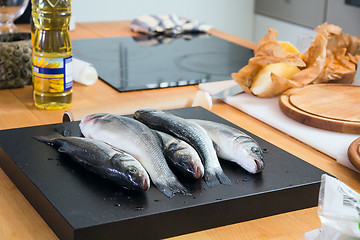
(231, 91)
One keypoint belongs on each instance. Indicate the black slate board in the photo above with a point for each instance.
(78, 205)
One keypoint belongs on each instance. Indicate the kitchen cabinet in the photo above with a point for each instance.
(294, 19)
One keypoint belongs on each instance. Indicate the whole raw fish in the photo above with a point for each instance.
(181, 155)
(102, 159)
(233, 145)
(137, 139)
(193, 134)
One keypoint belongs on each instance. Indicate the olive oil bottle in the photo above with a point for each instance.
(52, 54)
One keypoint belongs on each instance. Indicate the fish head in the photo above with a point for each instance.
(249, 156)
(134, 176)
(189, 164)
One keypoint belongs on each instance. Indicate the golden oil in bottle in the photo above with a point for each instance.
(52, 54)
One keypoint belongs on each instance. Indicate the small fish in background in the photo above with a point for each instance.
(137, 139)
(181, 156)
(103, 160)
(193, 134)
(233, 145)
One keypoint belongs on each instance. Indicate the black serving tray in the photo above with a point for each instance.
(79, 205)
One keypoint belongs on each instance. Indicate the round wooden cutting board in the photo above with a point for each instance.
(334, 107)
(354, 153)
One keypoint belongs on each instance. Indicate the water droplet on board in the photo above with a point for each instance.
(246, 180)
(218, 199)
(118, 193)
(117, 204)
(156, 200)
(108, 198)
(265, 150)
(138, 208)
(58, 164)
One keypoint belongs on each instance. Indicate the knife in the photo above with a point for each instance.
(231, 91)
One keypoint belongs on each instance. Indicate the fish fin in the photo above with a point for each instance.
(213, 179)
(179, 188)
(45, 139)
(165, 189)
(223, 178)
(170, 189)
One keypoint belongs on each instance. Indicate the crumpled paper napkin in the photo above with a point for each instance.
(83, 72)
(168, 24)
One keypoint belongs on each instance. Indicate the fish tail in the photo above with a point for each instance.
(170, 190)
(179, 188)
(211, 179)
(166, 190)
(48, 139)
(223, 178)
(215, 178)
(44, 139)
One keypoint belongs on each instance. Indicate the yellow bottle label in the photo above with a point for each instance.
(52, 75)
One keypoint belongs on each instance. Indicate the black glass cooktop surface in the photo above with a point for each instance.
(137, 63)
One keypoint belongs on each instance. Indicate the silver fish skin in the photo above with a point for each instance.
(137, 139)
(181, 156)
(233, 145)
(193, 134)
(101, 159)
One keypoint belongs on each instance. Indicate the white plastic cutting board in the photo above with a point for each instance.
(267, 110)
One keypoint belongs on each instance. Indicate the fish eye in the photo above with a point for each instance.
(255, 150)
(132, 170)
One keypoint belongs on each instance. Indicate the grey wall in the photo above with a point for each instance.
(232, 16)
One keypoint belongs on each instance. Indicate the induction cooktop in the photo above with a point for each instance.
(138, 63)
